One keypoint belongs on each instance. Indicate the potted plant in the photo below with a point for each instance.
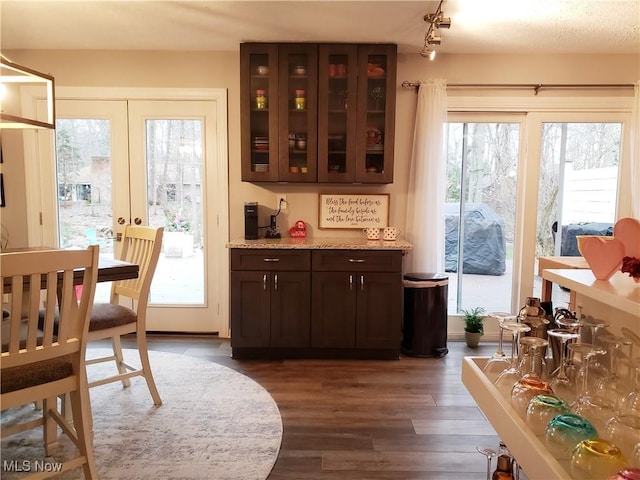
(178, 240)
(473, 325)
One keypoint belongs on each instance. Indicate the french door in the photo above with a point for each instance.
(157, 163)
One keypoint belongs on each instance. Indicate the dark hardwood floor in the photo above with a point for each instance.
(409, 419)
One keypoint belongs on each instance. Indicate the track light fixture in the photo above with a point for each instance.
(435, 20)
(433, 39)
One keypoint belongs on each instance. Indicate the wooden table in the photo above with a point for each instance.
(109, 269)
(546, 263)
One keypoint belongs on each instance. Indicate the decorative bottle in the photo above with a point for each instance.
(504, 470)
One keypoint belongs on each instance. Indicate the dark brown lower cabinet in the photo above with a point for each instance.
(355, 310)
(270, 309)
(315, 304)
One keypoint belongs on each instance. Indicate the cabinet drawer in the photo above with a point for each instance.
(249, 259)
(356, 260)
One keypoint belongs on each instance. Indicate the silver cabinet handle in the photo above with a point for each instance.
(361, 283)
(271, 259)
(264, 282)
(350, 283)
(275, 282)
(357, 260)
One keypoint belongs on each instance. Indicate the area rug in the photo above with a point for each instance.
(214, 424)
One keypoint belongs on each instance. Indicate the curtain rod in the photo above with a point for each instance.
(535, 86)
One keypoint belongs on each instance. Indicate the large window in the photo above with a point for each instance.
(482, 165)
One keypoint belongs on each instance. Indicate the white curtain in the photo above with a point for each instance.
(427, 181)
(629, 189)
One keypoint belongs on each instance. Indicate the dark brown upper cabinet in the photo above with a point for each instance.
(318, 113)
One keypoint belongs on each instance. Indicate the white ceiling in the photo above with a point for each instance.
(478, 26)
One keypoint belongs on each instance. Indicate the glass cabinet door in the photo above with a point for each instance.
(298, 100)
(337, 93)
(376, 113)
(259, 111)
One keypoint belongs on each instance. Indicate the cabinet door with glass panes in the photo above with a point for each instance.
(259, 111)
(337, 93)
(376, 113)
(298, 113)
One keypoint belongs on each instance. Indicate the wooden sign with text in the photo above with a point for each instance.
(353, 211)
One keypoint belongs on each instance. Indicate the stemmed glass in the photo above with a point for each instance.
(505, 381)
(532, 361)
(597, 409)
(634, 341)
(630, 403)
(595, 327)
(532, 367)
(489, 453)
(612, 386)
(499, 360)
(560, 382)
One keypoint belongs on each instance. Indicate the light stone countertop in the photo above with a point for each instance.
(354, 243)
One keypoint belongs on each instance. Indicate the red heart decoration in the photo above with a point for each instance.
(627, 230)
(603, 256)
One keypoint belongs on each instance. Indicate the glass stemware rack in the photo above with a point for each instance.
(621, 295)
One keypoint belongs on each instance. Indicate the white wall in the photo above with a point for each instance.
(221, 70)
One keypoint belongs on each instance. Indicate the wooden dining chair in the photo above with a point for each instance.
(39, 365)
(141, 245)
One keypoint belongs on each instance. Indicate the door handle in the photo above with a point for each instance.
(351, 283)
(357, 260)
(275, 282)
(264, 282)
(271, 259)
(121, 220)
(138, 221)
(361, 283)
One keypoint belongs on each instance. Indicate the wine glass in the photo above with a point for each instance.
(489, 453)
(597, 409)
(499, 361)
(532, 361)
(505, 381)
(560, 381)
(634, 341)
(596, 459)
(624, 432)
(541, 409)
(565, 431)
(595, 327)
(612, 386)
(630, 403)
(526, 389)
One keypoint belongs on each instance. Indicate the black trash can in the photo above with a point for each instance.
(424, 328)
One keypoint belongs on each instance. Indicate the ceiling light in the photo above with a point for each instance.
(433, 39)
(428, 52)
(444, 22)
(435, 20)
(17, 81)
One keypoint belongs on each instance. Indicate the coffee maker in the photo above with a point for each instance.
(251, 220)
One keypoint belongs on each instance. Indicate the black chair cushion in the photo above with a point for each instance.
(34, 374)
(108, 315)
